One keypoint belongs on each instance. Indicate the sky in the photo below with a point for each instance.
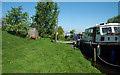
(73, 15)
(61, 0)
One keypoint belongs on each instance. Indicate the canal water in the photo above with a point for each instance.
(105, 68)
(100, 65)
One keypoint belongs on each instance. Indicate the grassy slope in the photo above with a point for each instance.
(41, 56)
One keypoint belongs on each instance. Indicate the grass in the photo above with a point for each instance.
(41, 56)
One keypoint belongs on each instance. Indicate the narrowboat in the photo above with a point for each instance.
(105, 39)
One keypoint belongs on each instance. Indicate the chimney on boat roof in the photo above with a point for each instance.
(101, 23)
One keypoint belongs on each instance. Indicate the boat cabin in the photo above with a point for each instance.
(109, 32)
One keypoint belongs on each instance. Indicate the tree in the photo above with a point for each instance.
(115, 19)
(3, 24)
(79, 33)
(46, 17)
(60, 30)
(72, 31)
(16, 21)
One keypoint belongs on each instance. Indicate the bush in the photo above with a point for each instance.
(3, 27)
(61, 37)
(53, 37)
(28, 37)
(68, 39)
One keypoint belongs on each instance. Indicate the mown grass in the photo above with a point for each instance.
(41, 56)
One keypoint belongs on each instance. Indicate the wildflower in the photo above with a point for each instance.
(64, 71)
(11, 62)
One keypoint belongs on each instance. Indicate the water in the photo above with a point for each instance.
(100, 65)
(105, 68)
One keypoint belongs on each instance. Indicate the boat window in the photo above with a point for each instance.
(107, 30)
(98, 30)
(91, 30)
(117, 29)
(86, 31)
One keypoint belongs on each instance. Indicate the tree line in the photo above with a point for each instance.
(44, 20)
(115, 19)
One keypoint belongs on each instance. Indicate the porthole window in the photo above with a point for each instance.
(102, 39)
(108, 38)
(116, 38)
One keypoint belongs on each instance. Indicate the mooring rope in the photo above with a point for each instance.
(107, 62)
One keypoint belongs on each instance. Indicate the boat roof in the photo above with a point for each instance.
(106, 24)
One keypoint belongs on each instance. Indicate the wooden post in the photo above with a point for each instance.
(94, 54)
(56, 31)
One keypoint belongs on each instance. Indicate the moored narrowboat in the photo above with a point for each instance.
(105, 38)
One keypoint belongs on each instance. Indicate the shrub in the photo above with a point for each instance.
(28, 37)
(68, 39)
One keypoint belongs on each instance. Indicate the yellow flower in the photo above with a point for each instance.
(64, 71)
(11, 62)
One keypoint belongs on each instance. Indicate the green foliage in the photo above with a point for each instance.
(28, 37)
(21, 27)
(53, 36)
(16, 21)
(15, 16)
(72, 31)
(115, 19)
(46, 17)
(60, 30)
(3, 24)
(60, 33)
(3, 28)
(68, 39)
(61, 37)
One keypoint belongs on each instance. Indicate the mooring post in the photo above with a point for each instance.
(94, 54)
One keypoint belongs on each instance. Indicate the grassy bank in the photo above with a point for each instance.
(41, 56)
